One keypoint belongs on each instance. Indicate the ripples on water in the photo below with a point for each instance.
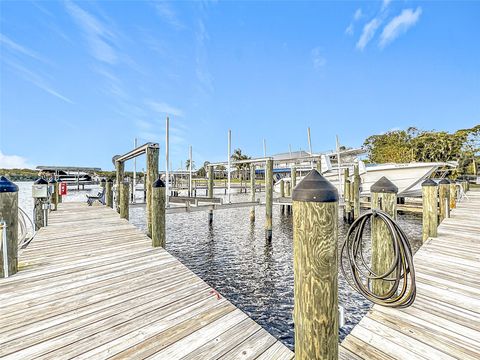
(233, 257)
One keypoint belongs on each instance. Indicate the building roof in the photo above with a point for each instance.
(68, 168)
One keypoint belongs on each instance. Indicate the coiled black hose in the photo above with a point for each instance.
(401, 273)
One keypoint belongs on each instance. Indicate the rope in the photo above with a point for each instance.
(400, 273)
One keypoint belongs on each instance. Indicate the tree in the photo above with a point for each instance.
(187, 164)
(238, 156)
(202, 172)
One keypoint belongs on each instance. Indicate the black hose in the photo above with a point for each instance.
(400, 273)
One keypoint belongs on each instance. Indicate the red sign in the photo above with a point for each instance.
(63, 189)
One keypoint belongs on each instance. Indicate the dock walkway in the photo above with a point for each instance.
(90, 286)
(444, 321)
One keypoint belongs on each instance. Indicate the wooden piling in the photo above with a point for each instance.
(384, 197)
(54, 196)
(319, 165)
(453, 194)
(210, 191)
(315, 259)
(120, 169)
(158, 213)
(124, 200)
(252, 191)
(39, 213)
(444, 199)
(282, 195)
(347, 206)
(293, 176)
(9, 214)
(430, 209)
(60, 199)
(109, 193)
(150, 178)
(268, 198)
(356, 192)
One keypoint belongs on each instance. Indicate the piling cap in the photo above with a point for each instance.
(429, 182)
(103, 180)
(315, 188)
(158, 183)
(384, 186)
(444, 182)
(41, 181)
(52, 181)
(110, 180)
(7, 186)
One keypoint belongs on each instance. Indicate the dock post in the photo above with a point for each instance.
(103, 183)
(444, 199)
(384, 198)
(40, 204)
(124, 200)
(158, 213)
(59, 197)
(268, 198)
(430, 209)
(356, 192)
(319, 165)
(293, 176)
(282, 195)
(347, 206)
(453, 194)
(120, 167)
(54, 196)
(9, 227)
(151, 177)
(210, 192)
(288, 193)
(109, 193)
(252, 191)
(315, 266)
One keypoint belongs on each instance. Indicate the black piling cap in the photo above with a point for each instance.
(110, 180)
(315, 188)
(384, 186)
(444, 182)
(103, 180)
(429, 182)
(7, 186)
(41, 181)
(158, 183)
(52, 181)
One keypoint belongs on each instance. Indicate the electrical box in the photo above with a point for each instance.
(40, 189)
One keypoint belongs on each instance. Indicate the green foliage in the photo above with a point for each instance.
(402, 146)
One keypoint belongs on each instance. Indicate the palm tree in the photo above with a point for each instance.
(187, 164)
(238, 156)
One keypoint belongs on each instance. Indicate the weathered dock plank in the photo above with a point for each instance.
(91, 286)
(444, 321)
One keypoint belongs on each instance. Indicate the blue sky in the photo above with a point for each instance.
(80, 80)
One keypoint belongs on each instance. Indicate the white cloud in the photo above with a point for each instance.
(99, 37)
(399, 25)
(318, 59)
(385, 4)
(165, 11)
(14, 162)
(349, 30)
(20, 49)
(358, 14)
(368, 32)
(164, 108)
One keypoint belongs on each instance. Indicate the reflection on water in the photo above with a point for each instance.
(233, 257)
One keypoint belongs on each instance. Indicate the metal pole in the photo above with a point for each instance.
(264, 148)
(229, 162)
(339, 170)
(290, 150)
(310, 144)
(3, 225)
(134, 172)
(167, 146)
(190, 188)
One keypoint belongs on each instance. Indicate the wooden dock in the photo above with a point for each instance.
(90, 286)
(444, 321)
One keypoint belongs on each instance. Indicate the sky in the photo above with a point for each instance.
(79, 81)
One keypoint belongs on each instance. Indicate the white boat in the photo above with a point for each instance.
(408, 177)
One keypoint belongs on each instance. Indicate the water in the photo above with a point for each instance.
(233, 257)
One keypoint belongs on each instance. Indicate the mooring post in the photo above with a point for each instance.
(151, 177)
(288, 193)
(124, 200)
(347, 205)
(8, 227)
(293, 176)
(319, 165)
(120, 167)
(356, 191)
(54, 196)
(210, 192)
(282, 195)
(315, 266)
(268, 198)
(109, 193)
(430, 209)
(59, 196)
(384, 198)
(40, 203)
(453, 194)
(158, 213)
(444, 199)
(252, 192)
